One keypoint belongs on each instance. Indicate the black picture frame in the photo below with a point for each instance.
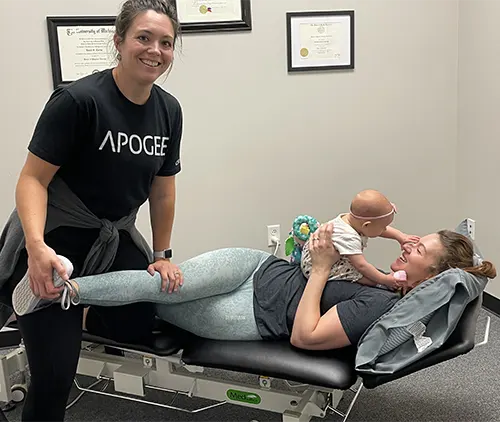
(53, 22)
(315, 14)
(243, 24)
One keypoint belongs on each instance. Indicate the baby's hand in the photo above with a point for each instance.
(391, 282)
(395, 280)
(409, 238)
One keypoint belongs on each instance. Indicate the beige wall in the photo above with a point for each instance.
(478, 167)
(261, 146)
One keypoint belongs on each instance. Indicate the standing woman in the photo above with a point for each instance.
(102, 146)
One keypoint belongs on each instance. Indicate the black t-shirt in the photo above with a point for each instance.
(109, 149)
(279, 285)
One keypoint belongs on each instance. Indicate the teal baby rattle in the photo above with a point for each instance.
(302, 227)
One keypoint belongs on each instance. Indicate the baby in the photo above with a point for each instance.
(370, 216)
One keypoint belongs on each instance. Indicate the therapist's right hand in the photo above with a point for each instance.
(42, 260)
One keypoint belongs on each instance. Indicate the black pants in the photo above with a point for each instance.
(52, 336)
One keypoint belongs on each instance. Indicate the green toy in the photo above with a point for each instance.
(302, 227)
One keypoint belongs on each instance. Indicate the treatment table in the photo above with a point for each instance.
(176, 362)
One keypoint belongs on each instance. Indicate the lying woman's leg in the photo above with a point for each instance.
(210, 274)
(228, 316)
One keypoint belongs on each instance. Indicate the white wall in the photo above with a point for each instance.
(479, 123)
(261, 146)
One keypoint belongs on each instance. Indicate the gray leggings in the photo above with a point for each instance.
(215, 301)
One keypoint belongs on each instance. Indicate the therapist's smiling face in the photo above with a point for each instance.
(147, 50)
(419, 259)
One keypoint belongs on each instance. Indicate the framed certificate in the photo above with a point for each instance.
(79, 46)
(214, 15)
(320, 40)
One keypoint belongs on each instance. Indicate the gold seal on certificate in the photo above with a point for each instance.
(213, 15)
(208, 10)
(320, 40)
(80, 46)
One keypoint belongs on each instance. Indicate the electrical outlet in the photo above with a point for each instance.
(471, 228)
(273, 232)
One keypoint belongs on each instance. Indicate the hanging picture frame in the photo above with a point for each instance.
(320, 40)
(214, 15)
(79, 46)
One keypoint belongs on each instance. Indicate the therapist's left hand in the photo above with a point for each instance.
(171, 275)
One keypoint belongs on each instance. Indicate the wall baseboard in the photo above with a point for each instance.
(491, 303)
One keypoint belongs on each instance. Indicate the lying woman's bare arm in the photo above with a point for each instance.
(311, 330)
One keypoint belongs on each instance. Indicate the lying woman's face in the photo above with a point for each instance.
(419, 258)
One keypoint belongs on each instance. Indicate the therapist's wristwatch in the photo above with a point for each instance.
(164, 254)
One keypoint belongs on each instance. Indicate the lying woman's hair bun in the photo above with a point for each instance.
(485, 269)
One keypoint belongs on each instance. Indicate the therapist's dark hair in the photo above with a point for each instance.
(132, 8)
(458, 253)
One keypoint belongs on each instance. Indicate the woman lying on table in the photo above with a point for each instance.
(246, 294)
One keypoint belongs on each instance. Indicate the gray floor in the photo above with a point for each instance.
(464, 389)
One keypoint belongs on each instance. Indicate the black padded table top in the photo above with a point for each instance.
(278, 359)
(332, 369)
(166, 340)
(162, 344)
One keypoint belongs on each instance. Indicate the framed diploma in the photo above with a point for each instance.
(79, 46)
(214, 15)
(320, 40)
